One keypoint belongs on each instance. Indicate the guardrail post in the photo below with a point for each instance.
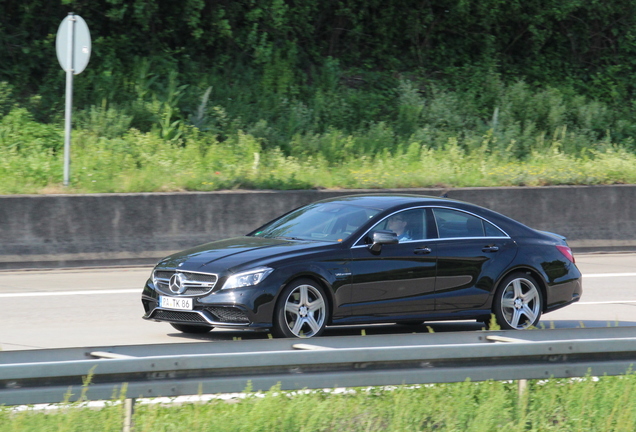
(522, 387)
(522, 398)
(129, 409)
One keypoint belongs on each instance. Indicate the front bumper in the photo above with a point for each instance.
(199, 317)
(244, 308)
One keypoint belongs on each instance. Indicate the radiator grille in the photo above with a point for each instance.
(194, 284)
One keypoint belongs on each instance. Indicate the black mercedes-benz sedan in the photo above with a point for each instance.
(367, 259)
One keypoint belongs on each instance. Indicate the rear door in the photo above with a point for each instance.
(471, 254)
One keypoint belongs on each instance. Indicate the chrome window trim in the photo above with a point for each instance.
(445, 239)
(505, 237)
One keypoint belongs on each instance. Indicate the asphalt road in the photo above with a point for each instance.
(102, 307)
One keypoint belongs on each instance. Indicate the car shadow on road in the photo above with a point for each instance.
(379, 329)
(354, 330)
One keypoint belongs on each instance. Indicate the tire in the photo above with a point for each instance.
(302, 310)
(192, 329)
(518, 302)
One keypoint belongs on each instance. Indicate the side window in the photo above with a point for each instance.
(408, 224)
(452, 224)
(493, 231)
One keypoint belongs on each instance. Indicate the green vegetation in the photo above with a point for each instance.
(588, 404)
(435, 141)
(196, 95)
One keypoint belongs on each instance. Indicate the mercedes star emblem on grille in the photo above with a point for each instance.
(176, 283)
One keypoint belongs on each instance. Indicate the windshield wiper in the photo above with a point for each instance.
(288, 238)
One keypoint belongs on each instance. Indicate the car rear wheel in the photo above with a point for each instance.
(301, 311)
(518, 302)
(185, 328)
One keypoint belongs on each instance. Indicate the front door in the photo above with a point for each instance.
(399, 280)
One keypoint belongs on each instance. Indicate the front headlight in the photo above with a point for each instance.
(247, 278)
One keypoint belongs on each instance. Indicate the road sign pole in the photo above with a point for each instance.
(69, 102)
(73, 48)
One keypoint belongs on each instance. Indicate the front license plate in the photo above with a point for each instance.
(175, 303)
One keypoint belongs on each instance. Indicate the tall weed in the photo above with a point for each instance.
(6, 98)
(235, 128)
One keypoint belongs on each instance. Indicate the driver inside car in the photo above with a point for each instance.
(398, 225)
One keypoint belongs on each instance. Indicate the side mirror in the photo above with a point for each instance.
(381, 237)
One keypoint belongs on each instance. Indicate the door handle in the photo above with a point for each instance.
(422, 251)
(490, 248)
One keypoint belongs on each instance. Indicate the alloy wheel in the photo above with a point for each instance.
(305, 311)
(520, 303)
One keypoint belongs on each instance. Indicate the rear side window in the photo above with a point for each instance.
(457, 224)
(493, 231)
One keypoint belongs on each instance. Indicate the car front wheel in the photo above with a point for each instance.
(518, 302)
(301, 311)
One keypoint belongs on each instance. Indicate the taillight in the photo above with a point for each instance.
(567, 252)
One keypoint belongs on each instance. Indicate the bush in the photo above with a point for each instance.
(362, 129)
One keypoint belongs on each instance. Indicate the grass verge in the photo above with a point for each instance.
(143, 162)
(583, 404)
(400, 135)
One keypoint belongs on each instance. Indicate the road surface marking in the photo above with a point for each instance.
(606, 302)
(63, 293)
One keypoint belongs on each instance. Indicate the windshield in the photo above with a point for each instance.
(319, 221)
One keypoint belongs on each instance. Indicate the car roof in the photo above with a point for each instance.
(383, 201)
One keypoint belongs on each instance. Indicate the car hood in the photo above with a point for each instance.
(229, 254)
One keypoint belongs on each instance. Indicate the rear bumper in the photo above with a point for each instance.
(568, 293)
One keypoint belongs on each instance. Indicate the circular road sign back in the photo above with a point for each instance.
(81, 42)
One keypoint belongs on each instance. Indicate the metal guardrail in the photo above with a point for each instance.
(46, 376)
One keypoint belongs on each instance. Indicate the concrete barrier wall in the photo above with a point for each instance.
(72, 230)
